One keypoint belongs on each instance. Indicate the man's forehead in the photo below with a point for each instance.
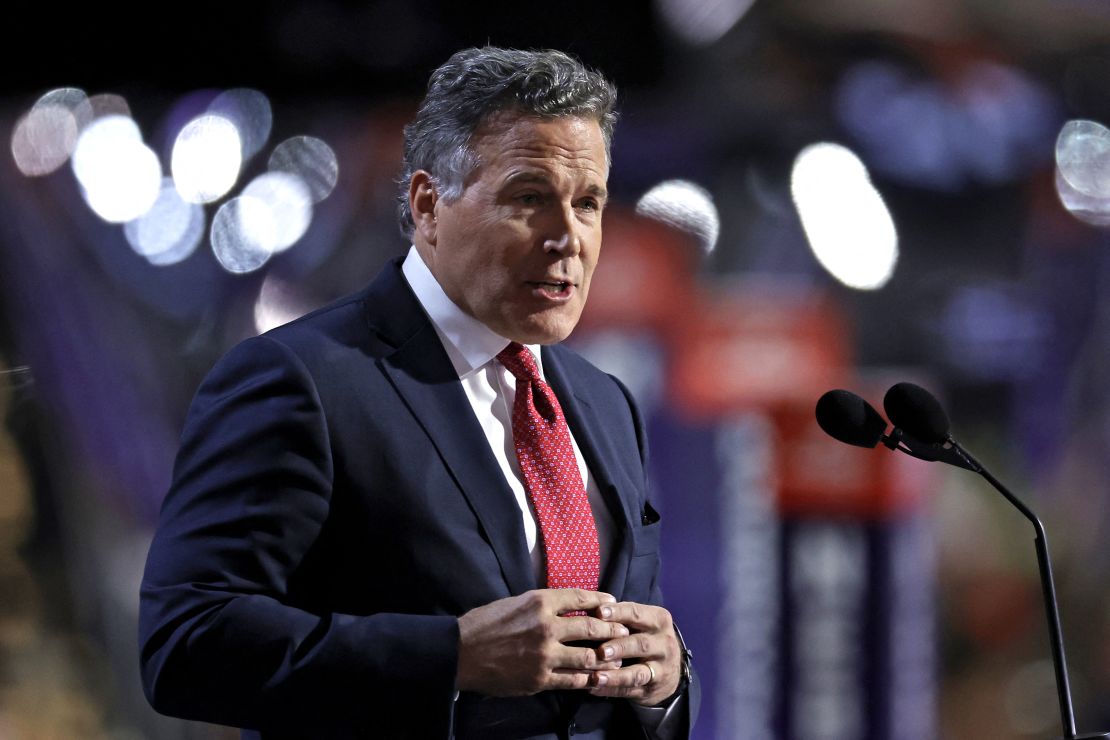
(526, 144)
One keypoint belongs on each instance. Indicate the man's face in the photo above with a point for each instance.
(518, 248)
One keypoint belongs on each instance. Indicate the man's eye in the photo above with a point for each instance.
(589, 204)
(529, 199)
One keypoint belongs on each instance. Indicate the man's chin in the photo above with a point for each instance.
(544, 329)
(541, 337)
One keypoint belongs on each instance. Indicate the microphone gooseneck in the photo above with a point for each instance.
(1048, 589)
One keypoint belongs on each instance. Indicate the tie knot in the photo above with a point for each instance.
(518, 360)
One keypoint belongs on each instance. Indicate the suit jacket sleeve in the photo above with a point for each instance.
(220, 640)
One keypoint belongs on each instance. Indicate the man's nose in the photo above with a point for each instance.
(564, 237)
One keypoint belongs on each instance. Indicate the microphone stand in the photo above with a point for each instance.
(1059, 661)
(848, 418)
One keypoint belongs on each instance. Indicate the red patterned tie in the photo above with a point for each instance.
(552, 477)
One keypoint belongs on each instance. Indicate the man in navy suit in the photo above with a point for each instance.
(348, 549)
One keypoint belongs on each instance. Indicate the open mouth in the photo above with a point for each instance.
(553, 288)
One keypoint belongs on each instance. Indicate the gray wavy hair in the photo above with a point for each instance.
(476, 83)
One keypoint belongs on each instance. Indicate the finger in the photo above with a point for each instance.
(630, 681)
(639, 617)
(637, 645)
(567, 678)
(660, 684)
(565, 658)
(576, 599)
(589, 629)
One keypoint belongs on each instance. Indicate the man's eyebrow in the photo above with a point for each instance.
(599, 192)
(527, 176)
(542, 178)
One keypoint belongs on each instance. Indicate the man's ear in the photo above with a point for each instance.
(422, 202)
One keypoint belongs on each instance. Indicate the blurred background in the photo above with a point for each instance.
(806, 195)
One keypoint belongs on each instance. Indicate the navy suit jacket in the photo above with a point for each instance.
(335, 506)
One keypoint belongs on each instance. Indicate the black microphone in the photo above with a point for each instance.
(922, 430)
(847, 417)
(917, 411)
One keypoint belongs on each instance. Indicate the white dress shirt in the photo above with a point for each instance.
(491, 390)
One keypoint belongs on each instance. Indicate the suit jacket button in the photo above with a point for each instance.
(572, 729)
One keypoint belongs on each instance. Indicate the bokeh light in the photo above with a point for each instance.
(250, 112)
(277, 303)
(286, 214)
(170, 231)
(845, 219)
(232, 243)
(685, 206)
(1083, 157)
(207, 155)
(985, 125)
(990, 332)
(1087, 208)
(701, 22)
(120, 176)
(310, 159)
(73, 99)
(43, 139)
(109, 104)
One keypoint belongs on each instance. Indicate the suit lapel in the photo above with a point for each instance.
(588, 430)
(424, 377)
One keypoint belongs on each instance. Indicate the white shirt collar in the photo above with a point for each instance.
(469, 343)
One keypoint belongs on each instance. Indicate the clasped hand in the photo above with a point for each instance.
(522, 645)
